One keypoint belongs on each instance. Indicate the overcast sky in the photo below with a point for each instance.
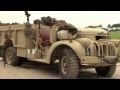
(77, 18)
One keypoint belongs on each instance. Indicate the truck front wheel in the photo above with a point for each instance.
(107, 71)
(68, 66)
(10, 56)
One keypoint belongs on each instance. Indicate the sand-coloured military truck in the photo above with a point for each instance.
(86, 48)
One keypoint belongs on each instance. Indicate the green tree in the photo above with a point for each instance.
(109, 26)
(91, 27)
(94, 26)
(5, 24)
(116, 25)
(99, 26)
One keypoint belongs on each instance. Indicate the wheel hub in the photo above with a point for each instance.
(9, 58)
(64, 65)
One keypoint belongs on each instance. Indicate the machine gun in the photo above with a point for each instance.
(28, 15)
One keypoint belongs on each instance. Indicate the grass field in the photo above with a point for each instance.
(115, 35)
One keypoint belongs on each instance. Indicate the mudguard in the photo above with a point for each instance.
(74, 45)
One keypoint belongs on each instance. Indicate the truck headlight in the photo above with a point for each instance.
(87, 52)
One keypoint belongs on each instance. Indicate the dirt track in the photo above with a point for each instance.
(33, 70)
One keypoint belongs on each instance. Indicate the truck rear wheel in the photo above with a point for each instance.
(10, 56)
(68, 66)
(107, 71)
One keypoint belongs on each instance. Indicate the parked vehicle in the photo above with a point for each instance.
(75, 50)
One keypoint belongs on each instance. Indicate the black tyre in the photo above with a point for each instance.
(107, 71)
(68, 66)
(10, 56)
(21, 61)
(7, 43)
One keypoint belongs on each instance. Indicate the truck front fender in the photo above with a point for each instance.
(74, 45)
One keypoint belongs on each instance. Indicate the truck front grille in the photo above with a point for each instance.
(104, 49)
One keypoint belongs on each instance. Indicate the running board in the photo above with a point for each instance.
(40, 60)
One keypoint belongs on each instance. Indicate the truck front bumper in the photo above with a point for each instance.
(98, 60)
